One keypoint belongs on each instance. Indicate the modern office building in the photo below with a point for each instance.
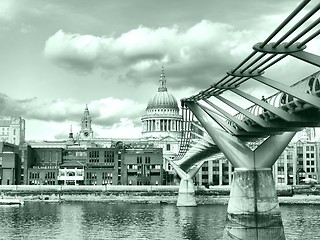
(143, 167)
(78, 165)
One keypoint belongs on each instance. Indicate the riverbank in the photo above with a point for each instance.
(301, 194)
(118, 199)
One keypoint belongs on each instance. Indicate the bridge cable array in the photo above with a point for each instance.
(264, 55)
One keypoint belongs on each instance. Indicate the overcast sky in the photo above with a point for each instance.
(58, 55)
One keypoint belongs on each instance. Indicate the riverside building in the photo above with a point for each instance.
(12, 130)
(85, 159)
(141, 161)
(75, 165)
(300, 160)
(10, 164)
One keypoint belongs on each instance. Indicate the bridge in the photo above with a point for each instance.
(217, 123)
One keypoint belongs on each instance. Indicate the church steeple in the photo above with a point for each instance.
(70, 140)
(70, 133)
(86, 111)
(162, 82)
(86, 130)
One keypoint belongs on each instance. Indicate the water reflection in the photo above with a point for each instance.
(70, 221)
(188, 220)
(137, 221)
(301, 222)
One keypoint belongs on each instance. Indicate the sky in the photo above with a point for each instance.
(59, 55)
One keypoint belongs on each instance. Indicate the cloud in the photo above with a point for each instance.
(194, 55)
(105, 112)
(124, 128)
(8, 9)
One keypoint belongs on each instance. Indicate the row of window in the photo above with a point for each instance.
(309, 148)
(135, 166)
(310, 169)
(50, 175)
(14, 131)
(94, 154)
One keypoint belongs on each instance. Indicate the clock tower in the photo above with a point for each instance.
(86, 132)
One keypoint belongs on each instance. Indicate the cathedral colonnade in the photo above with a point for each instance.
(161, 125)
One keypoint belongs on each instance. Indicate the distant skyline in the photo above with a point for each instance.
(59, 55)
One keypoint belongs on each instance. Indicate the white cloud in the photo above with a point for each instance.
(205, 44)
(7, 9)
(125, 128)
(105, 112)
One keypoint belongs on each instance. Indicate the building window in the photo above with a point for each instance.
(204, 168)
(168, 147)
(94, 156)
(109, 156)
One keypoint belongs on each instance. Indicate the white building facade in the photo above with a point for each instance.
(12, 130)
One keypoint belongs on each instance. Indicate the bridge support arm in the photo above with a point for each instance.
(235, 150)
(269, 151)
(186, 194)
(307, 57)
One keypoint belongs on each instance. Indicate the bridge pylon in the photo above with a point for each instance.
(253, 208)
(186, 194)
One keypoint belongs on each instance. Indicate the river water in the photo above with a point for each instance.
(88, 220)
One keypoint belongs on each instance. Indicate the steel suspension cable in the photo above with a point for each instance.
(308, 39)
(297, 25)
(284, 23)
(301, 34)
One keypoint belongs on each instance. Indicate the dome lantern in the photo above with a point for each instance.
(163, 99)
(162, 82)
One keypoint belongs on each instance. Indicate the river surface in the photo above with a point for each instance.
(87, 220)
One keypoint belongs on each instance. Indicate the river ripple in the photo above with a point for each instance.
(87, 220)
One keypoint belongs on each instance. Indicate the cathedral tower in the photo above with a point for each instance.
(86, 130)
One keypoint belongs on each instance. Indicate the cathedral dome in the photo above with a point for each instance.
(163, 99)
(162, 118)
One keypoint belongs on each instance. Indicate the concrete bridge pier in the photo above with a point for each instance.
(186, 194)
(253, 209)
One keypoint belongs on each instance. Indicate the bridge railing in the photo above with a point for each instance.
(310, 85)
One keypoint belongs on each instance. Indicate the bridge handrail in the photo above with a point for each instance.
(284, 100)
